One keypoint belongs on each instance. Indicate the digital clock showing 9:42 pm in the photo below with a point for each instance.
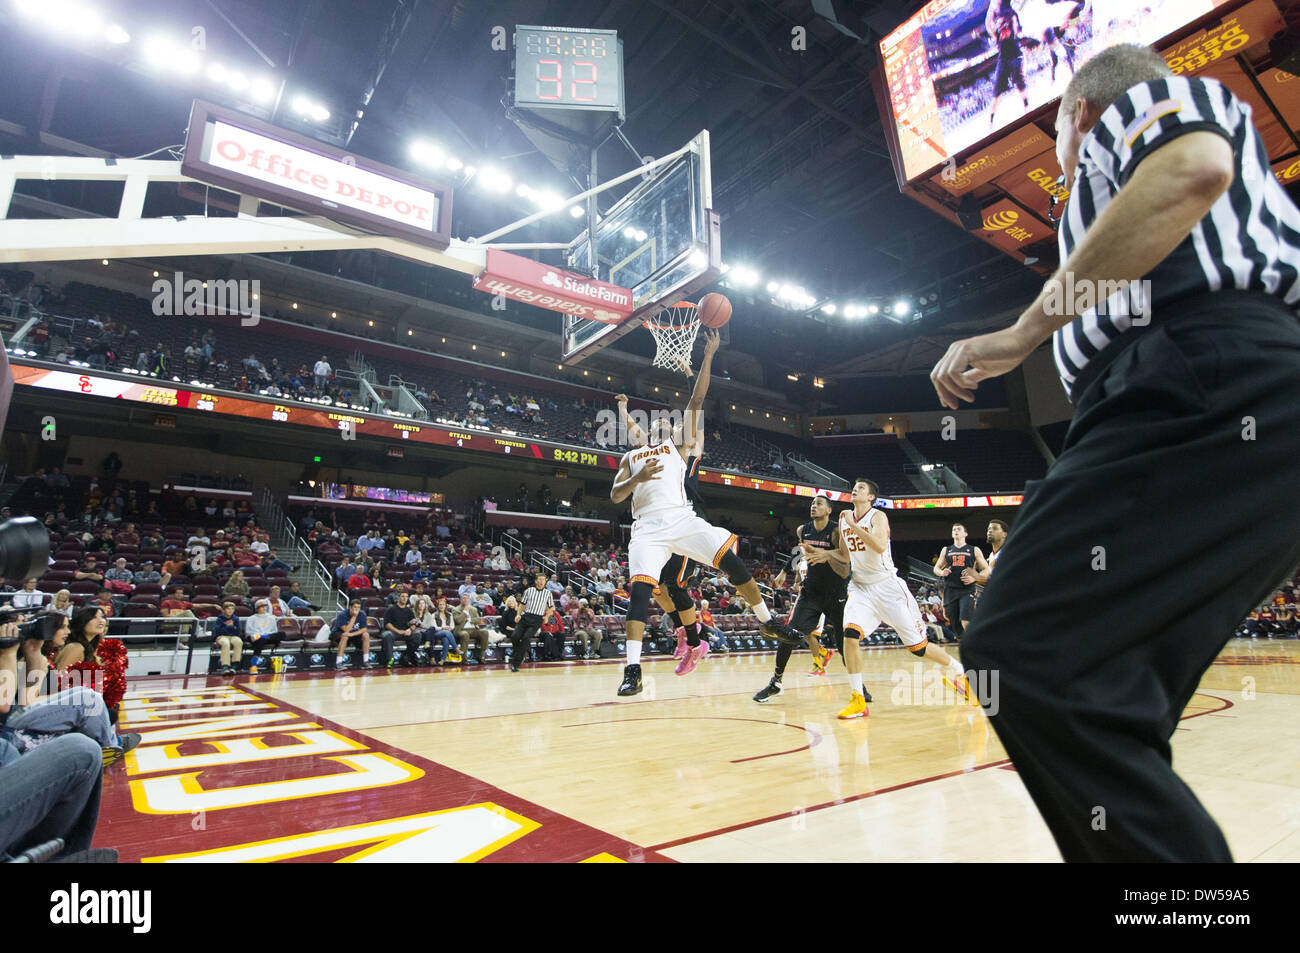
(564, 68)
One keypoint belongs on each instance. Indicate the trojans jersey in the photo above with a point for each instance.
(867, 567)
(667, 490)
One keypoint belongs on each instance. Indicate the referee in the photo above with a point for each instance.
(538, 605)
(1104, 612)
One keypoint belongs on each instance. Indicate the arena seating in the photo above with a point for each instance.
(988, 460)
(560, 416)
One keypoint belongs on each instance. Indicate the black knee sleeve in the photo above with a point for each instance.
(681, 598)
(638, 601)
(918, 650)
(735, 569)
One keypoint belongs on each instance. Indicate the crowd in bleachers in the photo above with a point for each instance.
(113, 330)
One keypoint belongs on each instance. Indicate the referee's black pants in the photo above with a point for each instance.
(1195, 523)
(525, 629)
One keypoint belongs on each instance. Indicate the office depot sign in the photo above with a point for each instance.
(522, 279)
(250, 157)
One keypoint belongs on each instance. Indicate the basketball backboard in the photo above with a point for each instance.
(661, 241)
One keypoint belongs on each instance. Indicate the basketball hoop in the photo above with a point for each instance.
(674, 329)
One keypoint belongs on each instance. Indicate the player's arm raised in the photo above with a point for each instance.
(635, 435)
(980, 574)
(877, 537)
(694, 421)
(625, 483)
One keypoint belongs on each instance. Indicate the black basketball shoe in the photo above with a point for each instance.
(773, 629)
(631, 681)
(772, 689)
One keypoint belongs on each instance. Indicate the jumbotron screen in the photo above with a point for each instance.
(961, 70)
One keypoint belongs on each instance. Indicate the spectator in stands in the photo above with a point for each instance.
(422, 575)
(259, 545)
(146, 575)
(295, 597)
(321, 374)
(435, 631)
(343, 570)
(278, 606)
(103, 543)
(583, 623)
(29, 597)
(467, 587)
(127, 535)
(89, 571)
(553, 633)
(261, 629)
(359, 579)
(467, 624)
(174, 565)
(399, 623)
(412, 557)
(158, 360)
(119, 575)
(176, 605)
(227, 635)
(271, 561)
(62, 603)
(348, 623)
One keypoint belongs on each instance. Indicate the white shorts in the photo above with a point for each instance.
(657, 536)
(889, 601)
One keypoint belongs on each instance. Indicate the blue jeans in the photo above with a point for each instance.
(298, 602)
(279, 564)
(443, 636)
(77, 710)
(51, 792)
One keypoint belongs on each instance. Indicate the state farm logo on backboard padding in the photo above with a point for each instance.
(523, 279)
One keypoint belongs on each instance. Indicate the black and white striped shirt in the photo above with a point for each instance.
(537, 601)
(1249, 240)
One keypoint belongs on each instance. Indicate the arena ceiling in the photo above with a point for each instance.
(802, 176)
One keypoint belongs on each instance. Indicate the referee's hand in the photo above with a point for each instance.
(971, 360)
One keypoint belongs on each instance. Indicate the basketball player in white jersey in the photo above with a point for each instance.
(671, 593)
(664, 523)
(877, 593)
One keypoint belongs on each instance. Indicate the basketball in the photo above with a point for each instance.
(715, 310)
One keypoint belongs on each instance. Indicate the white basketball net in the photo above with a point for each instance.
(674, 329)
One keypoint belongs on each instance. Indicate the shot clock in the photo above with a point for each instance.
(564, 68)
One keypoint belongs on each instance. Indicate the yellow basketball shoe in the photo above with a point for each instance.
(857, 707)
(961, 688)
(821, 661)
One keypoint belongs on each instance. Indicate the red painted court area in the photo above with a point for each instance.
(224, 774)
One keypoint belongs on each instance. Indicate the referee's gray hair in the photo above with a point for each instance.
(1112, 72)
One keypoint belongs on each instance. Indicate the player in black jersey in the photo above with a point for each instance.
(822, 594)
(957, 566)
(671, 593)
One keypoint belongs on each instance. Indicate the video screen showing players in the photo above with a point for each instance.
(961, 70)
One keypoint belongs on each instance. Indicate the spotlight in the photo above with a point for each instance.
(261, 90)
(116, 35)
(900, 308)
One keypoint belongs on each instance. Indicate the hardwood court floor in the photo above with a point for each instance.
(694, 770)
